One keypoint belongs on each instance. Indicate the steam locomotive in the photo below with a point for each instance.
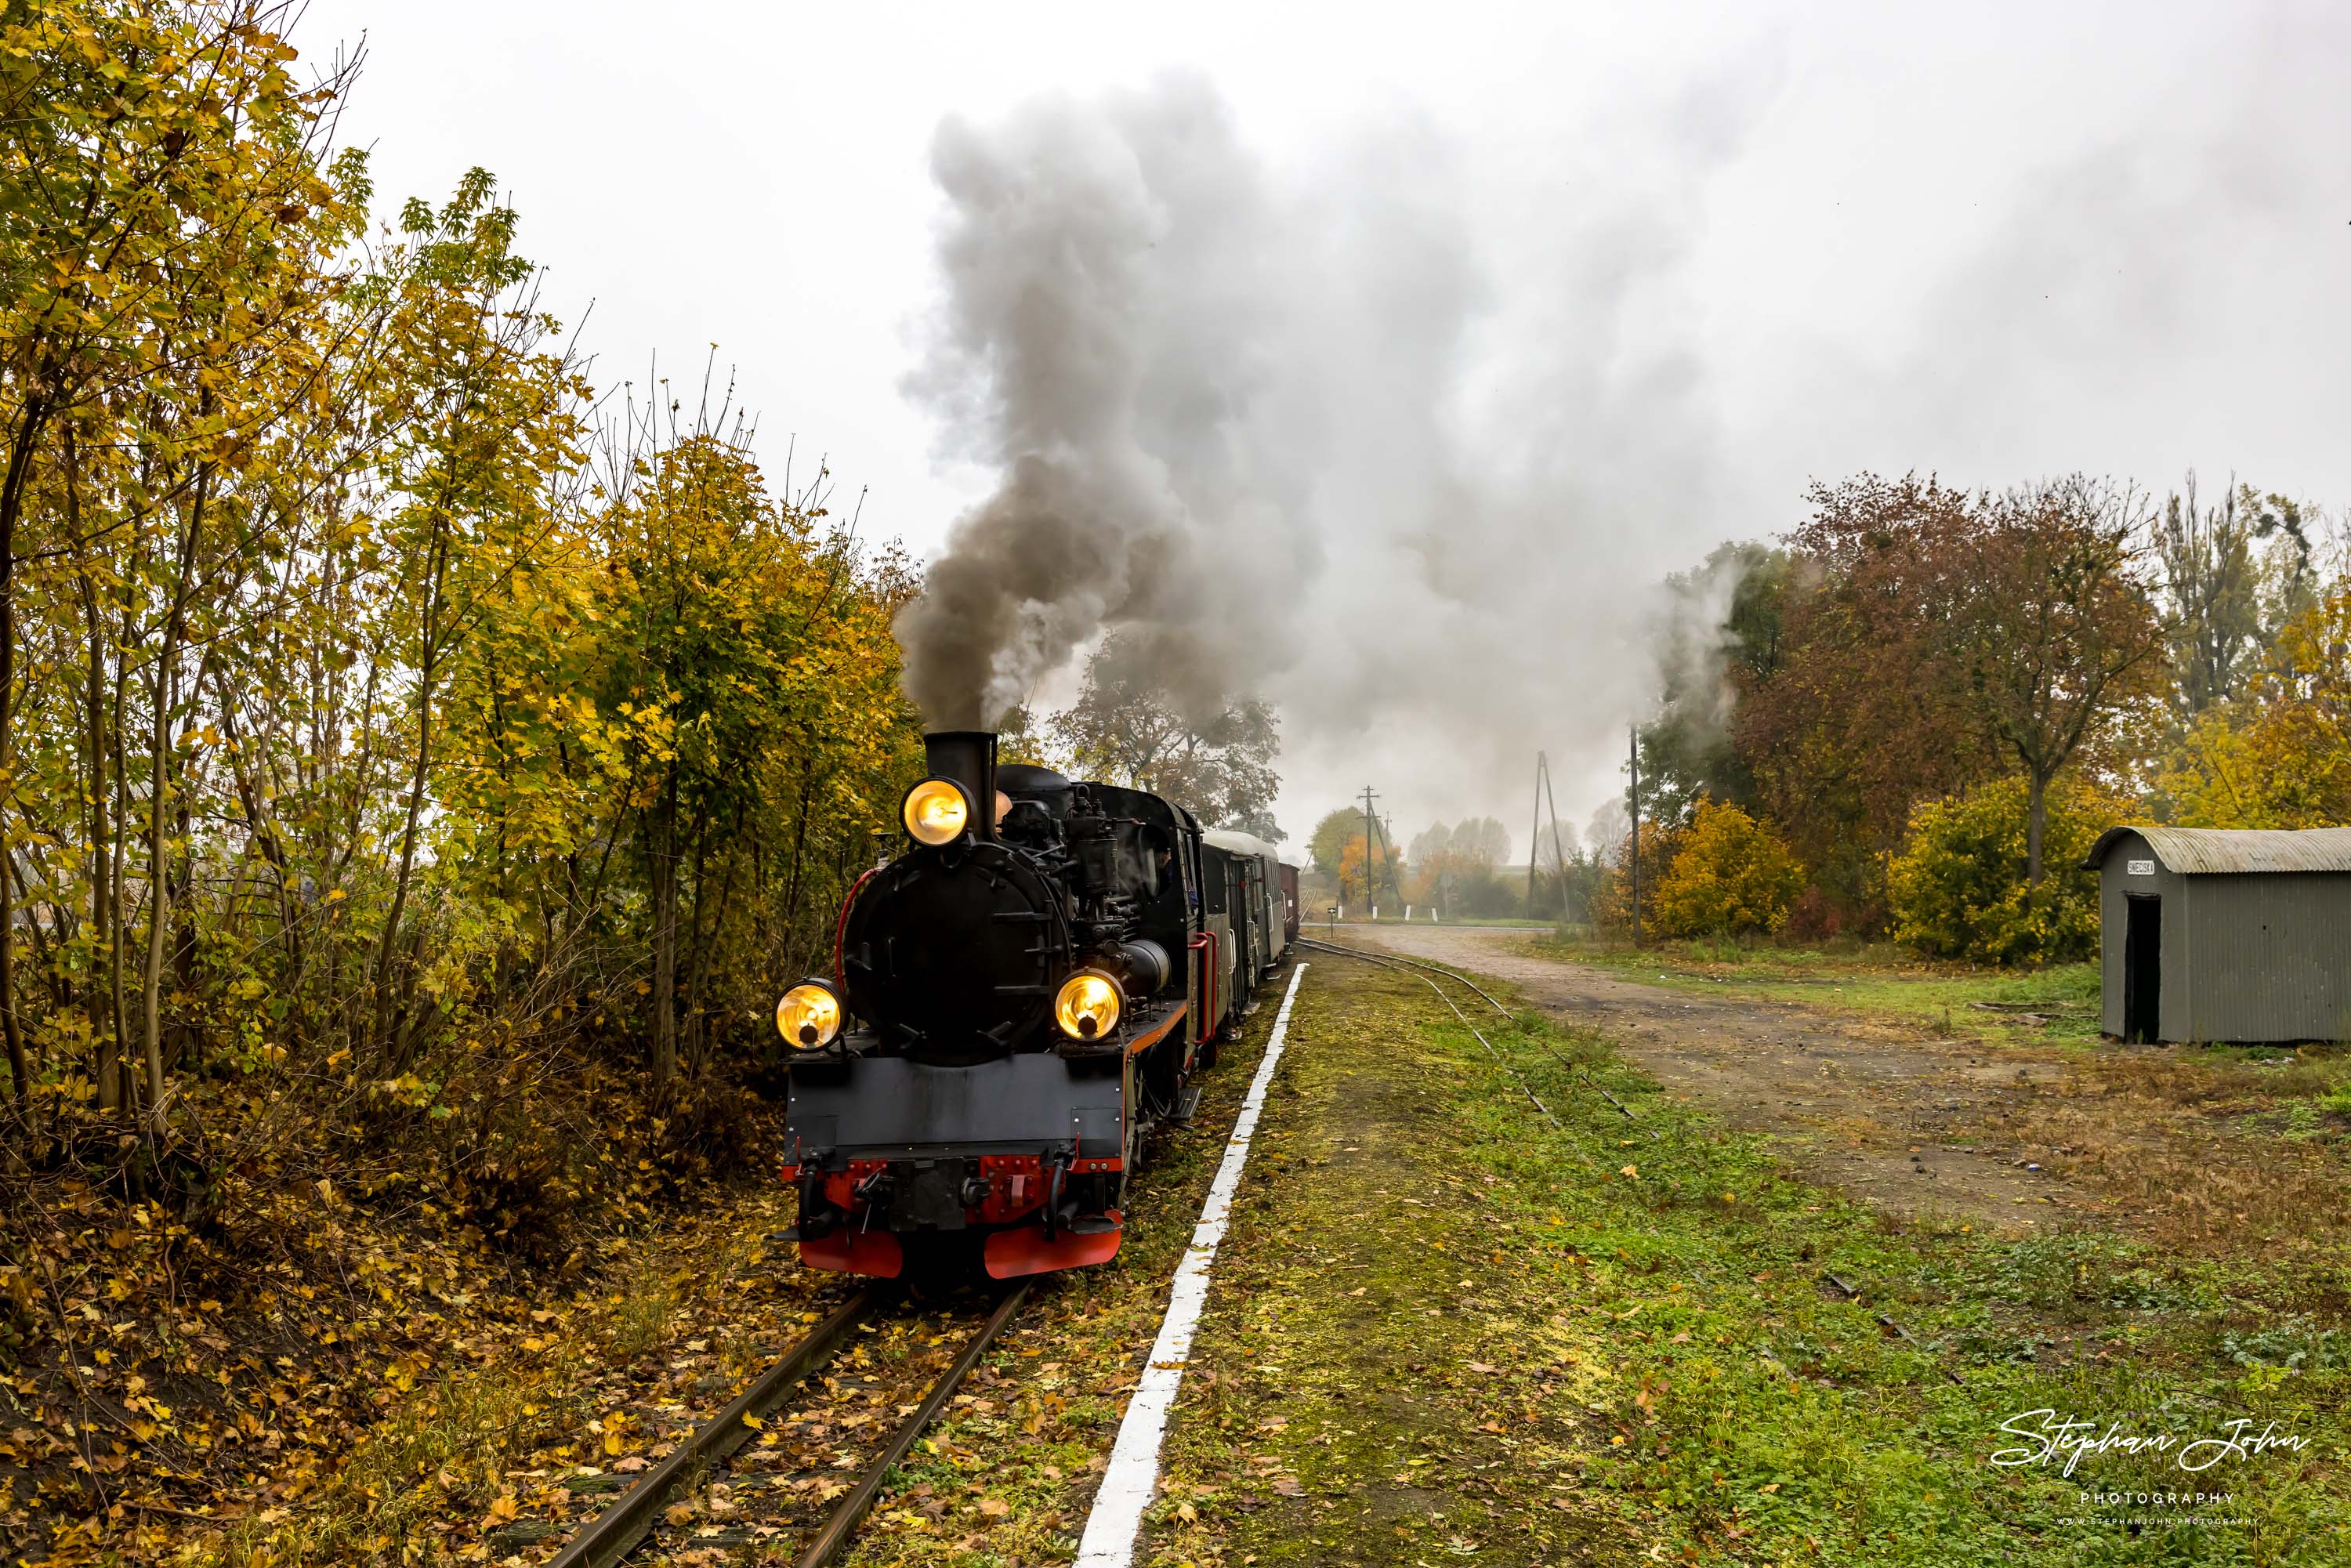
(1019, 998)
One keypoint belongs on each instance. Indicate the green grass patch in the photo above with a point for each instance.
(1443, 1330)
(1876, 980)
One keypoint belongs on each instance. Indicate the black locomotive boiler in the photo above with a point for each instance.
(1018, 999)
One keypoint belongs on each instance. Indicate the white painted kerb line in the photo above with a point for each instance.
(1133, 1473)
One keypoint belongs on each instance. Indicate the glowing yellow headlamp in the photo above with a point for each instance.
(936, 811)
(809, 1016)
(1089, 1005)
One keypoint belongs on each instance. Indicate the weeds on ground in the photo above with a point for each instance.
(1652, 1320)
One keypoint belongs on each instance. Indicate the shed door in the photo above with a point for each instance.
(2143, 969)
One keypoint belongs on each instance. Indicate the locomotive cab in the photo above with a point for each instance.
(1025, 981)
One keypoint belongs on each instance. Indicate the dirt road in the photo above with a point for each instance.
(1914, 1124)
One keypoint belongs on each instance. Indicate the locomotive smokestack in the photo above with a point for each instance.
(967, 756)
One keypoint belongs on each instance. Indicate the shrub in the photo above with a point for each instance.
(1731, 874)
(1611, 903)
(1957, 887)
(1814, 917)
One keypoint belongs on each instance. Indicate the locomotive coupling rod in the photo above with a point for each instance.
(835, 1536)
(613, 1534)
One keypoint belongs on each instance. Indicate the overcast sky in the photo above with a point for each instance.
(1690, 258)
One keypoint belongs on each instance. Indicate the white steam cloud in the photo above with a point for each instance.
(1279, 424)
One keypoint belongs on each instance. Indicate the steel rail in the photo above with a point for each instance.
(1623, 1109)
(1499, 1060)
(613, 1534)
(1416, 964)
(835, 1535)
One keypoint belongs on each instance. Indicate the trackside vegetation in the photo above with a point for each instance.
(1453, 1332)
(416, 766)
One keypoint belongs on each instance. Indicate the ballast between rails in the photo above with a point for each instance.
(613, 1535)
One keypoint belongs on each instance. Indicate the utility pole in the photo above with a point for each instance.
(1370, 822)
(1633, 733)
(1387, 858)
(1558, 851)
(1534, 832)
(1534, 837)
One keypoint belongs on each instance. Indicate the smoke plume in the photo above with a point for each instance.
(1106, 342)
(1295, 431)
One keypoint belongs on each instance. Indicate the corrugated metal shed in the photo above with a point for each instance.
(2225, 934)
(2224, 852)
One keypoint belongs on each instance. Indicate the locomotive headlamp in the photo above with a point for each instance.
(936, 811)
(1089, 1005)
(809, 1016)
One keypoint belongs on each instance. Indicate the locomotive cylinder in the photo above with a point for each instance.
(1141, 966)
(968, 758)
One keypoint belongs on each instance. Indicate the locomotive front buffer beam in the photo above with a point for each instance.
(1028, 1149)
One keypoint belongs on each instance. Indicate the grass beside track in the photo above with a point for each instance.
(1878, 980)
(1443, 1331)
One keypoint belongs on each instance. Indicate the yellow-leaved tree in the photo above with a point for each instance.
(2280, 758)
(1957, 887)
(1731, 875)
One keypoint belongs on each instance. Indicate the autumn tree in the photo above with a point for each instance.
(491, 425)
(1328, 842)
(344, 695)
(166, 276)
(1935, 638)
(1129, 726)
(2231, 574)
(1863, 711)
(1609, 832)
(1364, 870)
(1730, 875)
(1454, 867)
(2280, 755)
(1958, 887)
(2039, 605)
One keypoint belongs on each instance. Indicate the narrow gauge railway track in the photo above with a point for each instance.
(1422, 972)
(771, 1507)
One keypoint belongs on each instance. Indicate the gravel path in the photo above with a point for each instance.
(1915, 1125)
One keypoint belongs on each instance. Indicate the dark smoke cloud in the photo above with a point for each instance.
(1298, 433)
(1107, 337)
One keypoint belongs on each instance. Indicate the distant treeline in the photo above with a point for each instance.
(1909, 715)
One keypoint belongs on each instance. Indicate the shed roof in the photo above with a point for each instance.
(2208, 851)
